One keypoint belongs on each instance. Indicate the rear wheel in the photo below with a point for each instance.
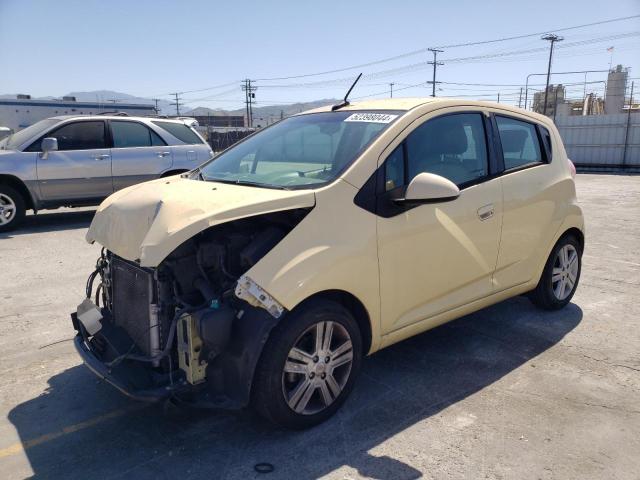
(308, 366)
(12, 208)
(560, 276)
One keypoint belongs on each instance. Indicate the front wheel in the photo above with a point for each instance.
(12, 208)
(560, 276)
(308, 366)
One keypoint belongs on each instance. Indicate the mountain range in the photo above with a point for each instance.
(268, 112)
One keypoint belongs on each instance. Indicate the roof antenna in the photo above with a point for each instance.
(345, 102)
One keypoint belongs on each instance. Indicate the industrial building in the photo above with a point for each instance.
(23, 111)
(217, 121)
(555, 96)
(614, 102)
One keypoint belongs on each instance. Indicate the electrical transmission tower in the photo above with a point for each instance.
(249, 96)
(177, 103)
(435, 64)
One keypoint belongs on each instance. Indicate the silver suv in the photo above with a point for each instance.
(80, 160)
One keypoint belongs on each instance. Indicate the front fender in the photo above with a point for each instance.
(333, 248)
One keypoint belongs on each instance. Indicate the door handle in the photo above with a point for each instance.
(104, 156)
(163, 154)
(486, 212)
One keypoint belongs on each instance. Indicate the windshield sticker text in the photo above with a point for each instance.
(371, 117)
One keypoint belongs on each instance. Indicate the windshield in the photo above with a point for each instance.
(301, 151)
(15, 140)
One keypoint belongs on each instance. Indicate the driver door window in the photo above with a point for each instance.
(452, 146)
(80, 136)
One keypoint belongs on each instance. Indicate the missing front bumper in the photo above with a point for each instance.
(120, 381)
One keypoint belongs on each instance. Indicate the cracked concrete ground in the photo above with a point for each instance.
(509, 392)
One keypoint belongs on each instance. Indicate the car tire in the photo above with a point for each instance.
(12, 208)
(560, 276)
(298, 385)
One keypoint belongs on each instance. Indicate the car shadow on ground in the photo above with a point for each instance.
(51, 222)
(82, 428)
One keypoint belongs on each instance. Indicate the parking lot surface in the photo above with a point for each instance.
(510, 392)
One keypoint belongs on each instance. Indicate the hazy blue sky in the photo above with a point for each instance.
(150, 48)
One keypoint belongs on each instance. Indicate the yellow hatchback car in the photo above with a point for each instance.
(264, 276)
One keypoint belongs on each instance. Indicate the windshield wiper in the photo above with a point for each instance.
(193, 174)
(247, 183)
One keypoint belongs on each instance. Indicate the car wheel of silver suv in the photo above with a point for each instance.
(12, 208)
(308, 366)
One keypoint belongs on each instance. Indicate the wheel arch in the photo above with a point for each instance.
(575, 232)
(355, 307)
(18, 185)
(573, 225)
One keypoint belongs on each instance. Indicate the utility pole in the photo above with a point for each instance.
(177, 103)
(498, 97)
(248, 100)
(553, 39)
(391, 86)
(435, 64)
(156, 107)
(251, 97)
(626, 133)
(520, 99)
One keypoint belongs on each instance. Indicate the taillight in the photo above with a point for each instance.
(572, 167)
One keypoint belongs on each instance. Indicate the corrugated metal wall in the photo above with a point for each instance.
(599, 140)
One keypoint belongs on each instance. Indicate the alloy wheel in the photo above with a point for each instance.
(565, 272)
(317, 367)
(7, 209)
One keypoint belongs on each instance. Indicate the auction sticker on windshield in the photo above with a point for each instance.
(371, 117)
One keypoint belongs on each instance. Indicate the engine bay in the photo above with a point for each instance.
(178, 323)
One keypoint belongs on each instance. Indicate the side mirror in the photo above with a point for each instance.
(430, 188)
(48, 144)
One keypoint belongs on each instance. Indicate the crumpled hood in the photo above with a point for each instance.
(148, 221)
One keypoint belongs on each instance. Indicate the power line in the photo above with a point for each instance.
(529, 35)
(421, 65)
(424, 50)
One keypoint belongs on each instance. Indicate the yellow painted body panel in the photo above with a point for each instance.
(333, 248)
(436, 257)
(148, 221)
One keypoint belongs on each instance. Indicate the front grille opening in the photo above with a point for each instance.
(133, 294)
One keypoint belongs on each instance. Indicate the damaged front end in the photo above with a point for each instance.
(194, 326)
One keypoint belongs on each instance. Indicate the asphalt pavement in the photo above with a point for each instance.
(510, 392)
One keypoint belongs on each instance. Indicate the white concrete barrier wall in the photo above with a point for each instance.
(599, 140)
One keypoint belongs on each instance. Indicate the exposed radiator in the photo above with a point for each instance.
(134, 304)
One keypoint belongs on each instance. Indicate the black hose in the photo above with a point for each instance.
(170, 338)
(89, 287)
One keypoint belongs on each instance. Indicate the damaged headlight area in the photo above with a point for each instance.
(193, 327)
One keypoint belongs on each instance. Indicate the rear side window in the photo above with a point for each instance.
(546, 136)
(520, 143)
(452, 146)
(133, 134)
(80, 136)
(180, 131)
